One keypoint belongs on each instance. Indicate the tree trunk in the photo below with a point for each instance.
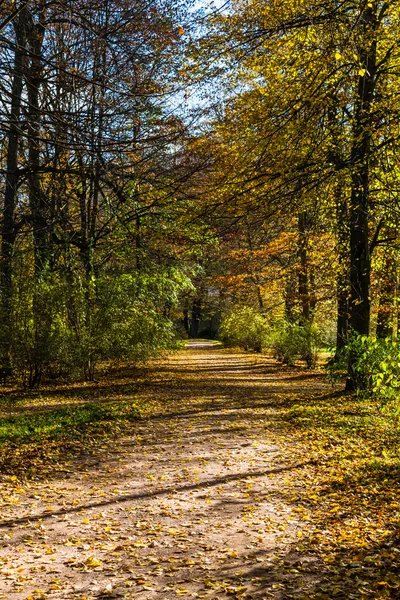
(303, 273)
(11, 186)
(360, 263)
(186, 320)
(39, 210)
(290, 298)
(196, 317)
(37, 200)
(342, 281)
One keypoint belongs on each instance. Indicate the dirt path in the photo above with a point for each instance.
(189, 504)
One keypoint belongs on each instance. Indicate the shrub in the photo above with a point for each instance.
(65, 326)
(243, 327)
(373, 364)
(291, 342)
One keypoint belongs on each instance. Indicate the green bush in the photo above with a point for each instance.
(243, 327)
(373, 364)
(35, 337)
(291, 342)
(64, 327)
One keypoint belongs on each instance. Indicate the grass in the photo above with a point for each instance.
(38, 434)
(66, 423)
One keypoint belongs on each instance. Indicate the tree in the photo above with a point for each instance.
(93, 159)
(315, 114)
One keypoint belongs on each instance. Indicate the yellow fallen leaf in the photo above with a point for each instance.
(92, 561)
(181, 591)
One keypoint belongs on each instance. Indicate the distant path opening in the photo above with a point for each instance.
(200, 344)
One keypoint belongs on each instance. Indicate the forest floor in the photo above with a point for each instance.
(208, 474)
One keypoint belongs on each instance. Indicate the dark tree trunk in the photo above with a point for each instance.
(186, 320)
(39, 207)
(11, 186)
(290, 295)
(360, 263)
(259, 296)
(303, 273)
(342, 281)
(196, 317)
(37, 199)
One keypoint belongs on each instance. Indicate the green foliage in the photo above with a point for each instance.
(36, 339)
(246, 328)
(67, 423)
(64, 327)
(291, 342)
(374, 365)
(243, 327)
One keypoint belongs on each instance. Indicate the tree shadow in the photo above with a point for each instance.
(121, 499)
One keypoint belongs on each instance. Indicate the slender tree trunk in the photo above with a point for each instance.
(39, 209)
(290, 297)
(11, 186)
(37, 199)
(186, 324)
(259, 297)
(303, 273)
(196, 317)
(342, 281)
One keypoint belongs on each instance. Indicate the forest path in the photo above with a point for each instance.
(191, 502)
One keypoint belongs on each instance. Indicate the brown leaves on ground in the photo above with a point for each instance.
(215, 475)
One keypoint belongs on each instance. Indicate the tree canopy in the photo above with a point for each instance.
(158, 158)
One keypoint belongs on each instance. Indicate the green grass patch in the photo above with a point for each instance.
(67, 423)
(42, 442)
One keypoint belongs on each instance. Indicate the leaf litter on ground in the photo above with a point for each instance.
(215, 474)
